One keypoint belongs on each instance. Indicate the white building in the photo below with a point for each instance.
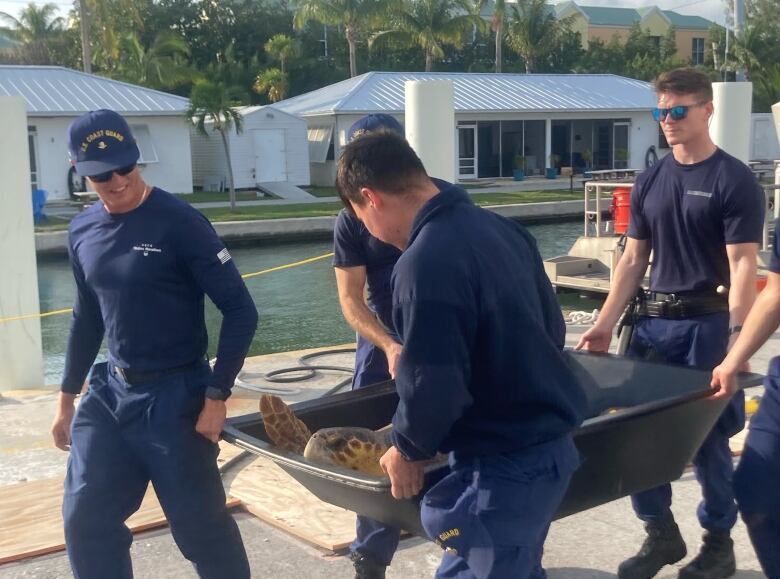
(271, 148)
(498, 116)
(55, 96)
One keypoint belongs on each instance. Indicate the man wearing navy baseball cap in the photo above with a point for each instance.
(143, 262)
(361, 263)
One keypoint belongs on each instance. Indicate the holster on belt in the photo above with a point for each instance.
(681, 306)
(625, 328)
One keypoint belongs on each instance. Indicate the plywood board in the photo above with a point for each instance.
(31, 516)
(271, 495)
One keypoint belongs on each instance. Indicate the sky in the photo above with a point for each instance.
(711, 9)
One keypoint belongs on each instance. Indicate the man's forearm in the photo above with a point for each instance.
(742, 293)
(759, 325)
(83, 346)
(365, 323)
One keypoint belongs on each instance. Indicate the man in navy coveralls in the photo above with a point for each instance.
(363, 265)
(481, 376)
(757, 476)
(142, 261)
(701, 212)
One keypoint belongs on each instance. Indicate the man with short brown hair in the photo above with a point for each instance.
(481, 375)
(701, 212)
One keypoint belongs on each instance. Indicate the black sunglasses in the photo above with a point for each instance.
(677, 113)
(104, 177)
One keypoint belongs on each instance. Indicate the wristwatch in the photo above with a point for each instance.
(217, 393)
(734, 330)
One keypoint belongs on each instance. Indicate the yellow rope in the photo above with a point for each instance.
(289, 265)
(245, 276)
(31, 316)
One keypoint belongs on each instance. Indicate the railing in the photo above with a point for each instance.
(597, 188)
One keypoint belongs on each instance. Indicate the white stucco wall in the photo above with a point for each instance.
(208, 153)
(170, 136)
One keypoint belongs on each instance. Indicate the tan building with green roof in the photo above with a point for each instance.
(604, 23)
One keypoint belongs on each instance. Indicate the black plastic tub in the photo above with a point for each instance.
(666, 413)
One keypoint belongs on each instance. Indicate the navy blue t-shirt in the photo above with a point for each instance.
(768, 416)
(689, 213)
(140, 280)
(482, 369)
(354, 246)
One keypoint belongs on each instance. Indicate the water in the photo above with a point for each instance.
(298, 306)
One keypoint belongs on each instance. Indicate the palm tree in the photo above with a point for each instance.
(532, 31)
(272, 82)
(213, 102)
(497, 24)
(356, 16)
(162, 65)
(109, 21)
(37, 29)
(282, 48)
(430, 24)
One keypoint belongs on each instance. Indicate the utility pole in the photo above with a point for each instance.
(739, 25)
(86, 53)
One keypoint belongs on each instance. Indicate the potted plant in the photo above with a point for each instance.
(519, 168)
(621, 158)
(552, 168)
(587, 158)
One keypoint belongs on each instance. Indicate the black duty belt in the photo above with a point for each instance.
(681, 306)
(133, 377)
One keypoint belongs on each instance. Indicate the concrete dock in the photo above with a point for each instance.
(589, 545)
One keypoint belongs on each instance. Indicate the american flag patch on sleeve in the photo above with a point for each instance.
(224, 256)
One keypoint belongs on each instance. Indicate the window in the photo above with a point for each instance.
(143, 139)
(697, 51)
(32, 139)
(320, 144)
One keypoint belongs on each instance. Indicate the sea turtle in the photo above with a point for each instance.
(346, 446)
(350, 447)
(283, 428)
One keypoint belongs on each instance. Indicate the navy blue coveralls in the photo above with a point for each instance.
(354, 246)
(482, 376)
(758, 474)
(689, 213)
(141, 278)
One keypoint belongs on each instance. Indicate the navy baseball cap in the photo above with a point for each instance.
(101, 141)
(374, 122)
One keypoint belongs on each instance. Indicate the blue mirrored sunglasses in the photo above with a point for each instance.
(104, 177)
(677, 113)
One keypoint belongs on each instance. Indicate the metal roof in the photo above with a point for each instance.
(480, 92)
(612, 16)
(57, 91)
(685, 21)
(607, 16)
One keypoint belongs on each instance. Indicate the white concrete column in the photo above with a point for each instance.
(430, 125)
(21, 357)
(731, 122)
(547, 141)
